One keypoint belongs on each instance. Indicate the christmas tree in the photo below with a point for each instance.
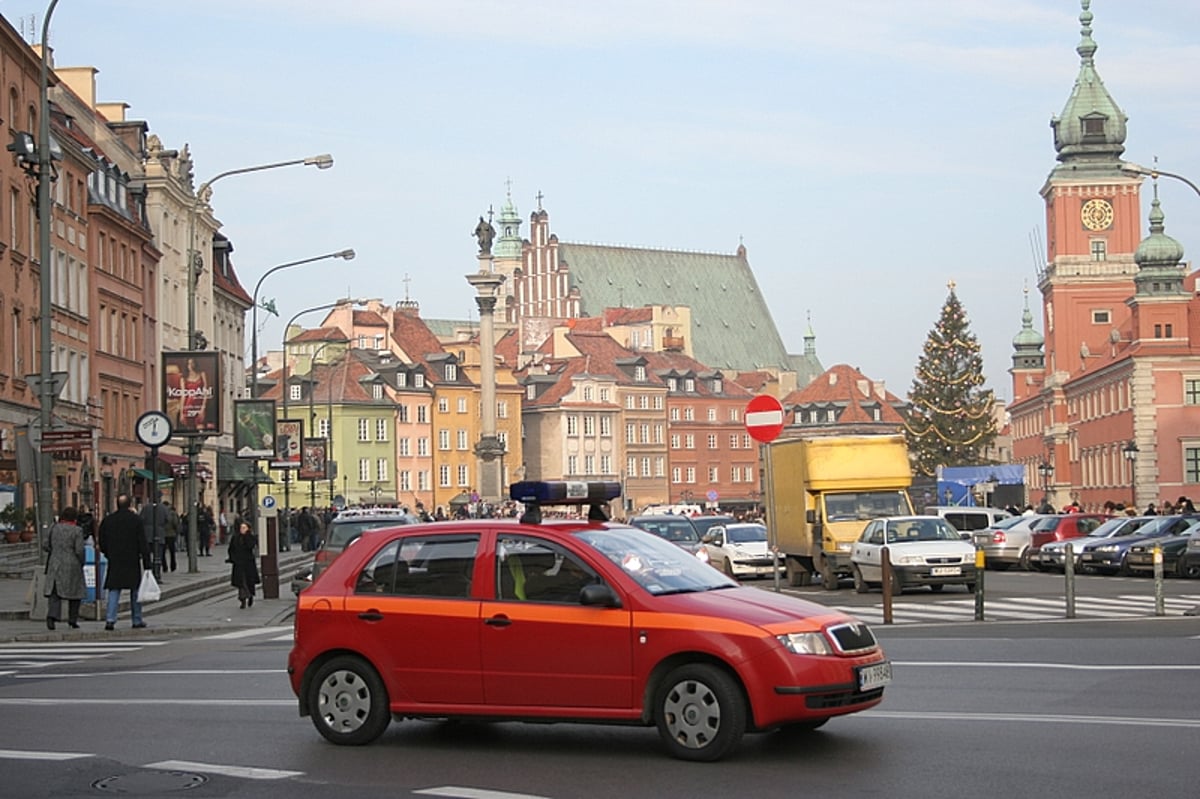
(950, 415)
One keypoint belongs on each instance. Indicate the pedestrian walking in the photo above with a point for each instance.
(64, 568)
(123, 542)
(171, 538)
(243, 551)
(204, 529)
(154, 523)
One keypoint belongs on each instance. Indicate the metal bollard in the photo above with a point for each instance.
(1069, 574)
(885, 568)
(979, 570)
(1160, 608)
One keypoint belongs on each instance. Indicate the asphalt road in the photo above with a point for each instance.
(1079, 708)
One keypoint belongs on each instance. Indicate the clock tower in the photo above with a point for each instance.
(1093, 223)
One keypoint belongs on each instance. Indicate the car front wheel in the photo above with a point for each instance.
(700, 713)
(1188, 568)
(348, 702)
(860, 585)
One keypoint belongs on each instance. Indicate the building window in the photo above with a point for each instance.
(364, 429)
(502, 409)
(629, 400)
(381, 430)
(659, 433)
(606, 426)
(589, 426)
(717, 385)
(606, 464)
(589, 464)
(1101, 317)
(660, 466)
(675, 441)
(462, 404)
(451, 373)
(1099, 250)
(673, 414)
(1191, 391)
(377, 391)
(733, 441)
(588, 391)
(422, 414)
(712, 414)
(676, 475)
(604, 395)
(294, 392)
(462, 440)
(630, 433)
(405, 447)
(531, 392)
(689, 384)
(712, 474)
(381, 469)
(405, 480)
(572, 465)
(691, 474)
(444, 440)
(402, 412)
(323, 428)
(689, 441)
(645, 467)
(464, 476)
(1158, 331)
(419, 380)
(639, 373)
(422, 447)
(672, 384)
(364, 469)
(644, 434)
(423, 480)
(631, 467)
(572, 425)
(643, 401)
(1191, 464)
(689, 414)
(712, 441)
(444, 476)
(443, 405)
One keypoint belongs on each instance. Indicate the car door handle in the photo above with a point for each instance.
(371, 615)
(498, 621)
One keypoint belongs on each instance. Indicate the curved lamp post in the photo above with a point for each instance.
(1130, 451)
(1045, 469)
(312, 418)
(194, 263)
(346, 254)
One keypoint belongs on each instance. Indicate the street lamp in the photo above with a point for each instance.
(1130, 451)
(347, 254)
(1045, 469)
(194, 263)
(1154, 172)
(312, 419)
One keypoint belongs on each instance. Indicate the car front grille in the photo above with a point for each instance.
(841, 699)
(853, 638)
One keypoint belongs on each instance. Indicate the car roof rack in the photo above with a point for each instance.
(536, 493)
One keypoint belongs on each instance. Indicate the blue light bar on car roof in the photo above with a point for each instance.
(535, 493)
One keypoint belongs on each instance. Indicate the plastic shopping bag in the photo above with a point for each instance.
(149, 591)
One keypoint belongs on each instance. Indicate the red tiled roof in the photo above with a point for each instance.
(628, 316)
(331, 333)
(368, 319)
(843, 384)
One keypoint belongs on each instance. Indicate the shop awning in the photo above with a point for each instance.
(146, 474)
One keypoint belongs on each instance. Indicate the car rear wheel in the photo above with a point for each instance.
(348, 702)
(700, 713)
(1024, 562)
(1188, 568)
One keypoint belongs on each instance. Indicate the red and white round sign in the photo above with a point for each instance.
(764, 418)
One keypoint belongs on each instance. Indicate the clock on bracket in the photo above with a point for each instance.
(1097, 214)
(153, 428)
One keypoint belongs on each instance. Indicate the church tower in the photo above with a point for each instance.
(506, 256)
(1028, 360)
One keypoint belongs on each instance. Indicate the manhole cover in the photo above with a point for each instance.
(149, 783)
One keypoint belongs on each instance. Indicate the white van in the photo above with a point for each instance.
(966, 518)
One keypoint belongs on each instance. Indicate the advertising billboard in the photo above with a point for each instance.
(288, 433)
(313, 452)
(254, 428)
(192, 392)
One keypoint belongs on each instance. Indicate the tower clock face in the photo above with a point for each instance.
(1097, 214)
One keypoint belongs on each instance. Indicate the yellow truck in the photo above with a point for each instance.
(821, 491)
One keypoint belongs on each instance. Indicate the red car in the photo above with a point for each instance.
(579, 620)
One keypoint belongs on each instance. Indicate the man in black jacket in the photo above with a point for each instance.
(123, 542)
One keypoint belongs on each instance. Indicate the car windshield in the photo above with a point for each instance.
(705, 523)
(340, 535)
(657, 566)
(673, 528)
(865, 505)
(912, 530)
(745, 533)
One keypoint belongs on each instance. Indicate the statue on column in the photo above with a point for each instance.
(485, 233)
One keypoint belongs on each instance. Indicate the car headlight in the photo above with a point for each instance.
(845, 546)
(805, 643)
(910, 560)
(1108, 548)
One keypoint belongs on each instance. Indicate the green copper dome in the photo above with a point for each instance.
(1158, 249)
(1028, 338)
(1091, 128)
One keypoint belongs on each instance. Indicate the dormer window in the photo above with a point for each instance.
(672, 384)
(639, 373)
(294, 392)
(717, 385)
(689, 384)
(401, 379)
(377, 391)
(451, 372)
(531, 392)
(1093, 126)
(419, 380)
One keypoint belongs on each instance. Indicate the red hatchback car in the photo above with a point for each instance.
(577, 620)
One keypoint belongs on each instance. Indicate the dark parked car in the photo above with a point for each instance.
(1189, 561)
(1141, 556)
(1112, 556)
(348, 525)
(705, 523)
(679, 530)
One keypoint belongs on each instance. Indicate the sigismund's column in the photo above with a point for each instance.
(489, 450)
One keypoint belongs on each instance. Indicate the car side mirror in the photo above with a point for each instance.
(599, 595)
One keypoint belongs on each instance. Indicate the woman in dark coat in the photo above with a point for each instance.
(243, 548)
(64, 568)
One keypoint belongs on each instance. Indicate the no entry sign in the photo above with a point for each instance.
(764, 418)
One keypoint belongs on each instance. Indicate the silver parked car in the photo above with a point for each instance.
(1052, 555)
(922, 550)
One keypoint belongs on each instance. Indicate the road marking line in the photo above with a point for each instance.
(225, 703)
(476, 793)
(152, 673)
(247, 772)
(17, 754)
(246, 633)
(1101, 720)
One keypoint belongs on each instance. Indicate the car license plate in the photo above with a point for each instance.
(945, 571)
(874, 676)
(1087, 556)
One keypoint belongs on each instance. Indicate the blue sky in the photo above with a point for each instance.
(867, 152)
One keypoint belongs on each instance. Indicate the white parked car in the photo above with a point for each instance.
(923, 550)
(740, 550)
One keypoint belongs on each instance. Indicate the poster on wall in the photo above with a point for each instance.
(288, 433)
(312, 459)
(254, 428)
(192, 392)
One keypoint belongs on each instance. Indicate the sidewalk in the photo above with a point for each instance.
(192, 602)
